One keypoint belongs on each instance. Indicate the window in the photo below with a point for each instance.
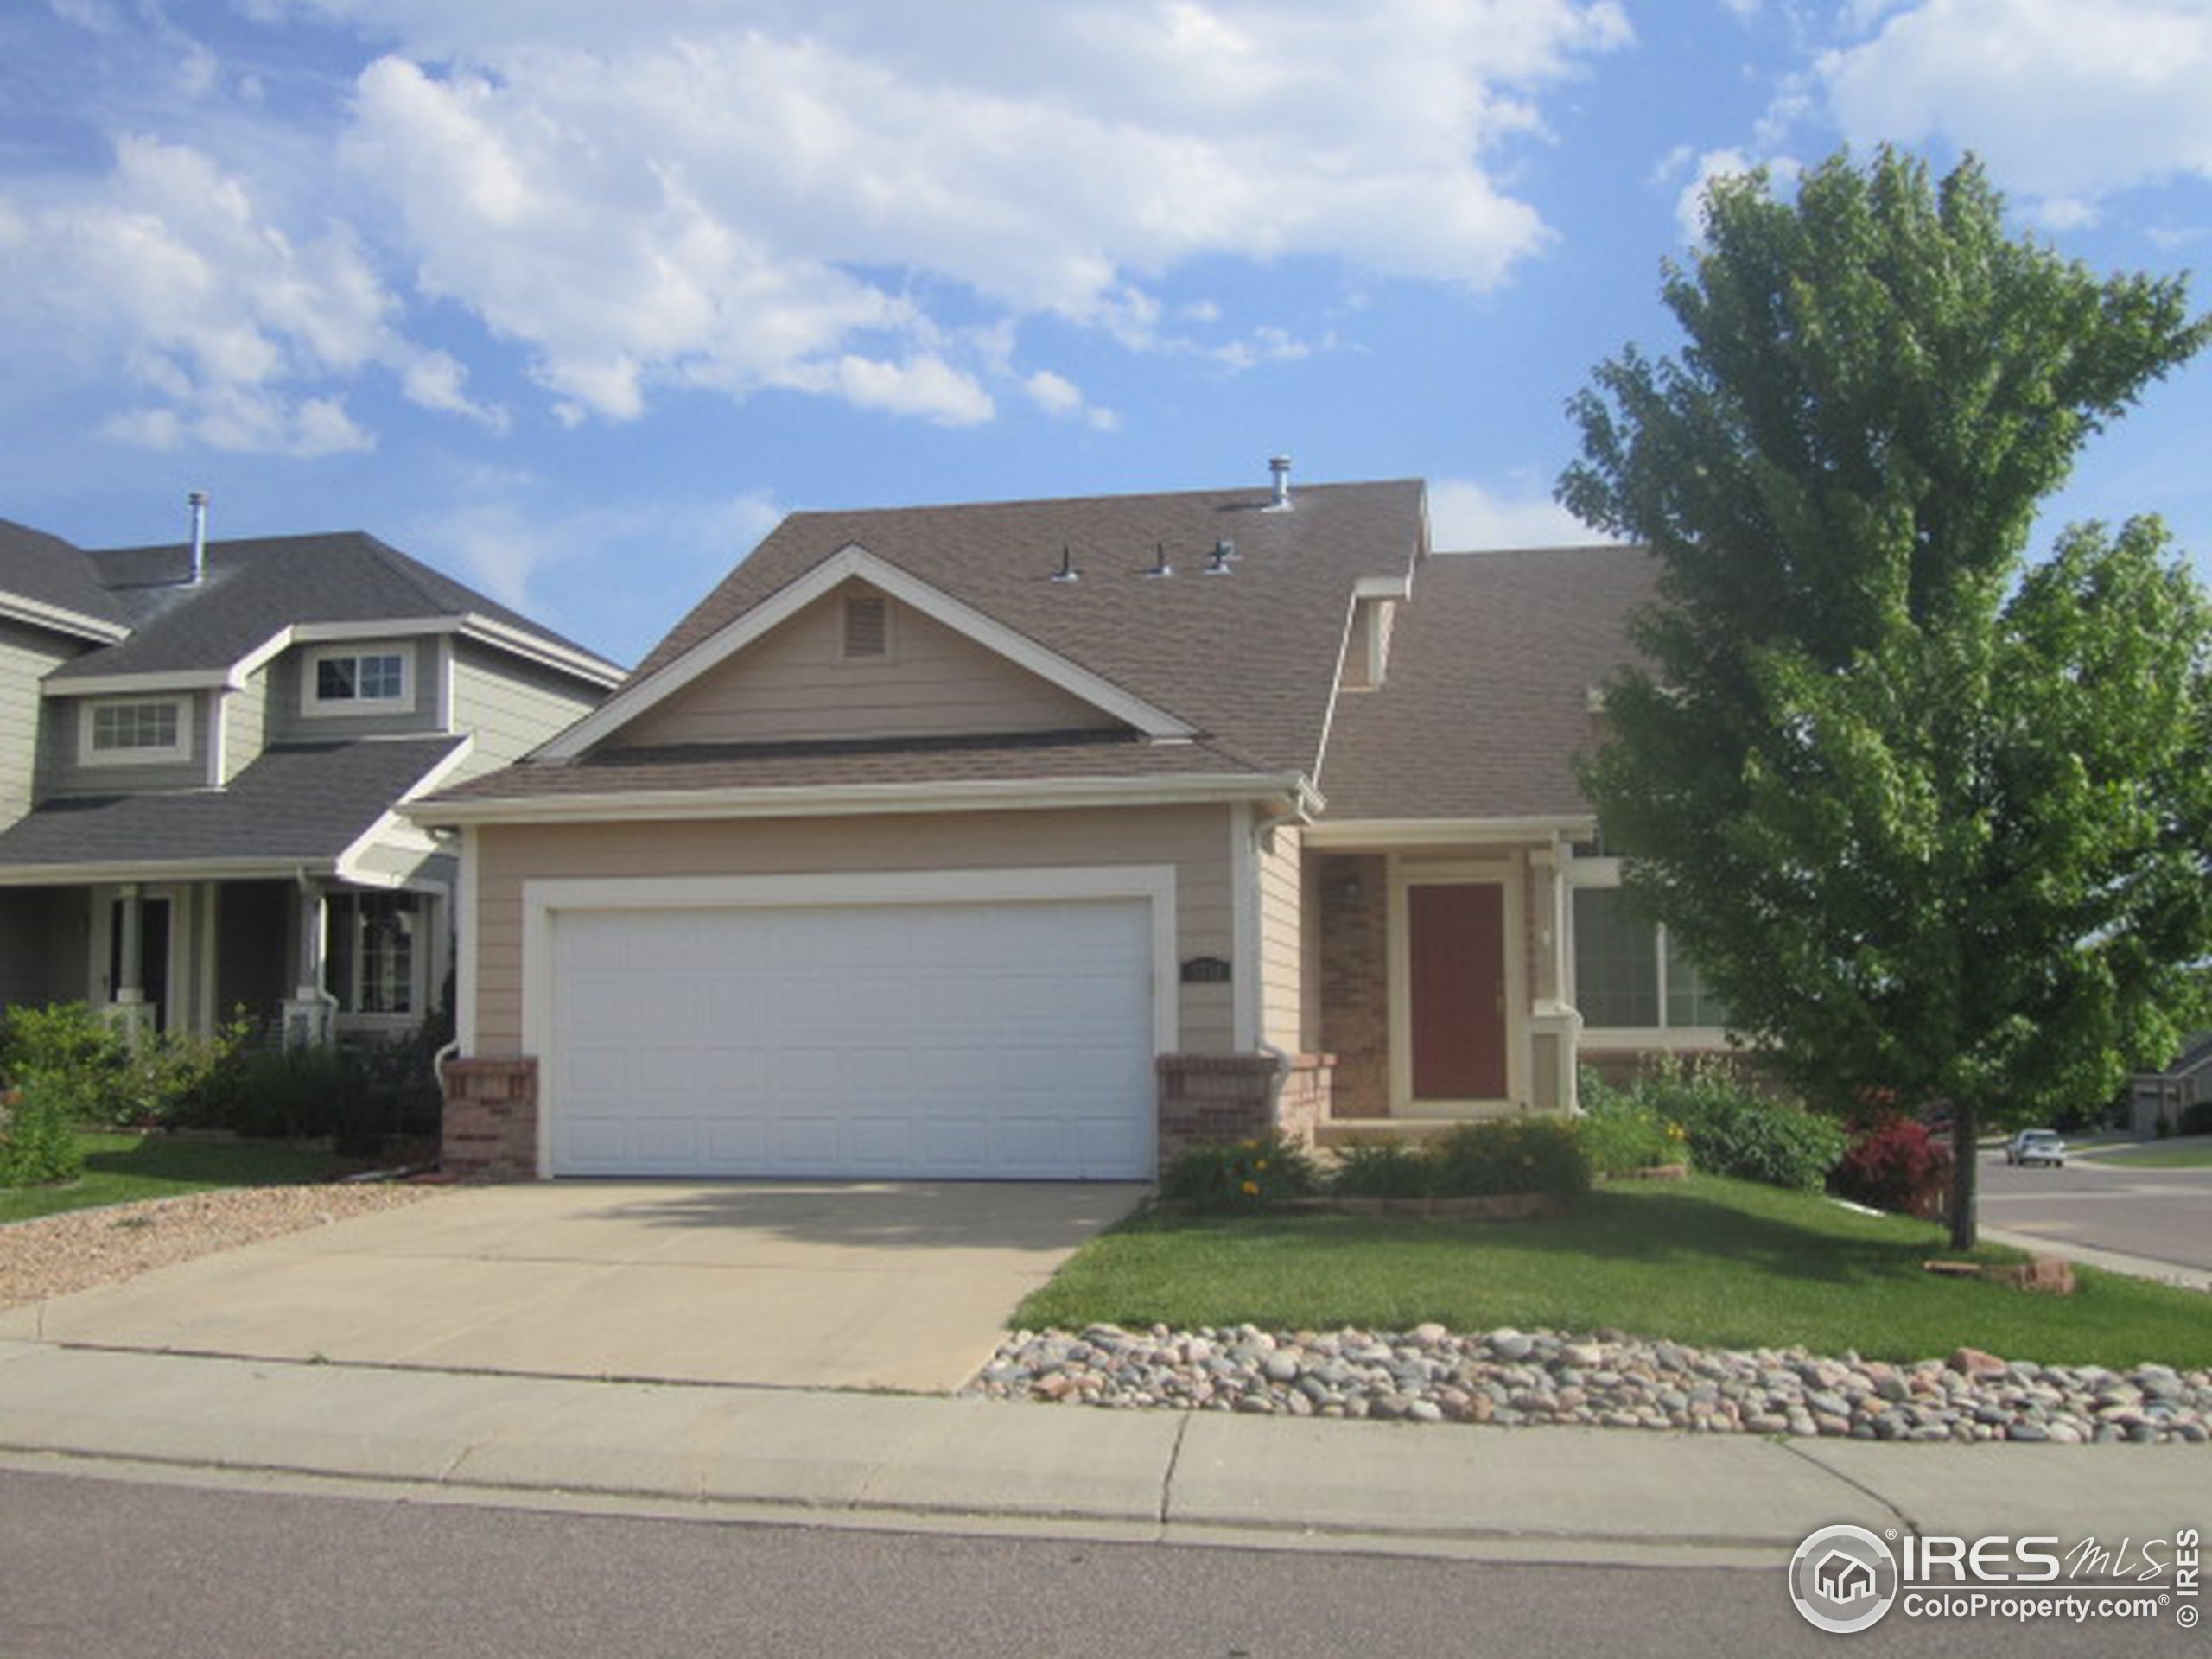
(122, 734)
(375, 952)
(1630, 974)
(358, 681)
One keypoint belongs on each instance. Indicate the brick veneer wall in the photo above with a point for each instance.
(1237, 1097)
(491, 1118)
(1356, 982)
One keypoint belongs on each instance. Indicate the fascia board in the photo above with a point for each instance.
(856, 800)
(847, 562)
(1441, 832)
(61, 619)
(183, 869)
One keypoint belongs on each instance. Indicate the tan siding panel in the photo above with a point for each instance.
(245, 724)
(1194, 840)
(26, 657)
(511, 705)
(793, 683)
(1281, 952)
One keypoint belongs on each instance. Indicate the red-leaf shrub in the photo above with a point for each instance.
(1897, 1164)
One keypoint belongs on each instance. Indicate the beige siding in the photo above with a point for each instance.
(26, 657)
(794, 683)
(245, 724)
(1194, 840)
(1282, 960)
(511, 705)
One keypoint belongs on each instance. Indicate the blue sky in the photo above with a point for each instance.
(576, 300)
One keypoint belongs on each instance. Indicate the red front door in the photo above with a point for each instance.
(1456, 940)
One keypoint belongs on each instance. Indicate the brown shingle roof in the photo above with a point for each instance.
(1051, 757)
(1486, 701)
(1246, 659)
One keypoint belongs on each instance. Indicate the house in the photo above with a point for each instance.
(1844, 1579)
(203, 748)
(1034, 839)
(2158, 1102)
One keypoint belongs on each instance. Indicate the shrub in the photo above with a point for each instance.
(86, 1070)
(1896, 1164)
(1733, 1129)
(38, 1144)
(2197, 1120)
(1620, 1131)
(1512, 1154)
(1385, 1169)
(1238, 1174)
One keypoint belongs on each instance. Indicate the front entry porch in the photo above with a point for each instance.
(1441, 985)
(302, 960)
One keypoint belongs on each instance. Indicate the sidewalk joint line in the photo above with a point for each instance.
(1174, 1462)
(1897, 1513)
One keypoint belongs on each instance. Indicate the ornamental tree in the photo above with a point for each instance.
(1931, 820)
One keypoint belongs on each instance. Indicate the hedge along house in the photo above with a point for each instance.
(203, 748)
(1035, 839)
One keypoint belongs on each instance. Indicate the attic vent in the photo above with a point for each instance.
(867, 627)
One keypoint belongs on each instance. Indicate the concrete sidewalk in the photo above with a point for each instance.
(900, 1461)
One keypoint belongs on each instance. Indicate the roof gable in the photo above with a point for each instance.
(51, 583)
(658, 691)
(1246, 655)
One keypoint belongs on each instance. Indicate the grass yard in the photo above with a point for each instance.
(2198, 1156)
(1710, 1261)
(119, 1168)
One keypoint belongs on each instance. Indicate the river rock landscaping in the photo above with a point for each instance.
(1430, 1375)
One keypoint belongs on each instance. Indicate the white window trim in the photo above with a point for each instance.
(419, 990)
(167, 754)
(343, 708)
(1604, 875)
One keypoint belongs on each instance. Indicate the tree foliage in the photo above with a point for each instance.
(1929, 820)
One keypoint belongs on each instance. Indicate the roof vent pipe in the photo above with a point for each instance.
(1067, 572)
(1280, 466)
(197, 502)
(1159, 565)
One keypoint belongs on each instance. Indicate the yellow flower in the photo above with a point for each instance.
(1251, 1189)
(1262, 1164)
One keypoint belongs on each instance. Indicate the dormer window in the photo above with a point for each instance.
(357, 680)
(141, 731)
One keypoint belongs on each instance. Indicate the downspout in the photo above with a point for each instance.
(1284, 1064)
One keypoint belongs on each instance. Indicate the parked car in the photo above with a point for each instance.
(2036, 1147)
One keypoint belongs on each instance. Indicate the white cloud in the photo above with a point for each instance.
(1466, 517)
(2068, 101)
(169, 276)
(653, 194)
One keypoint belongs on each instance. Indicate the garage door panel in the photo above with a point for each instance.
(972, 1039)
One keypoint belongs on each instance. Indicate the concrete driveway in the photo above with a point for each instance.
(902, 1286)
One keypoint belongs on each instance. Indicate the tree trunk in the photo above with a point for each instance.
(1964, 1173)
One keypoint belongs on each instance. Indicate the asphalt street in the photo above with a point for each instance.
(98, 1567)
(2164, 1215)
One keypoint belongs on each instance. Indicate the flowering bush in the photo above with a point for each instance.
(1733, 1128)
(1512, 1154)
(1621, 1131)
(1895, 1164)
(1238, 1174)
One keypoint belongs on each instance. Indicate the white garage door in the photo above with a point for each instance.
(951, 1041)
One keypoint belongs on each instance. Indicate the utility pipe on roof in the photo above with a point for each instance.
(197, 501)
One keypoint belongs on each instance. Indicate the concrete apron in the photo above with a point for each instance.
(895, 1286)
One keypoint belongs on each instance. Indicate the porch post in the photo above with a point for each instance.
(128, 1011)
(307, 1011)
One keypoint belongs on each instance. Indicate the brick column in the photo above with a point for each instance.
(491, 1118)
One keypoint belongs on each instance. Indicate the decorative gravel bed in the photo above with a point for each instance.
(53, 1255)
(1604, 1380)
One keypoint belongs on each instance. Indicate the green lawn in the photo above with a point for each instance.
(2153, 1157)
(1706, 1260)
(119, 1168)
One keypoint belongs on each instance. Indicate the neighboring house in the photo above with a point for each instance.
(2158, 1100)
(202, 749)
(1034, 839)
